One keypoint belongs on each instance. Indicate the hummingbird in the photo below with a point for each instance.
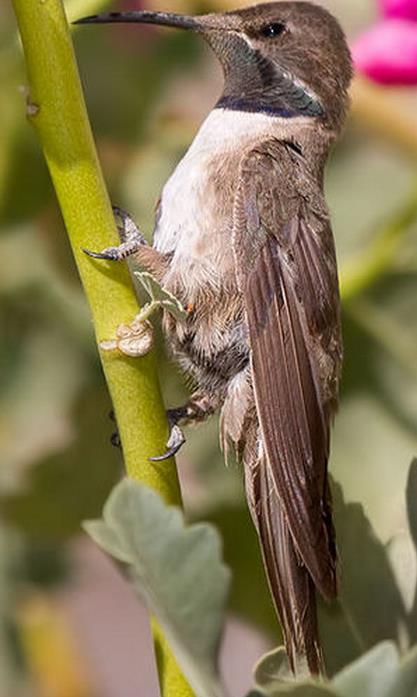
(243, 239)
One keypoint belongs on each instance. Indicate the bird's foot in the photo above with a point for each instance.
(175, 442)
(131, 239)
(176, 437)
(196, 410)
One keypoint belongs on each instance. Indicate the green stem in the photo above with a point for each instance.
(374, 260)
(59, 116)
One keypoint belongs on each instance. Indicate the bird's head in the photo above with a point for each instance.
(283, 58)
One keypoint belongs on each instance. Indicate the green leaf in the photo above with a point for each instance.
(241, 551)
(274, 677)
(379, 673)
(305, 689)
(158, 294)
(370, 607)
(176, 569)
(273, 670)
(12, 678)
(372, 675)
(405, 684)
(402, 557)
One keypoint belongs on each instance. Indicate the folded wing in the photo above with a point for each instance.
(286, 270)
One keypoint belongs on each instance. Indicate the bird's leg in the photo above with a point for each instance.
(131, 239)
(134, 339)
(197, 409)
(133, 244)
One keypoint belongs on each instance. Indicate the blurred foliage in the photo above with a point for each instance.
(147, 91)
(53, 656)
(176, 569)
(379, 673)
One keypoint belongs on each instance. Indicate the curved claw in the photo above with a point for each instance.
(131, 239)
(175, 442)
(110, 254)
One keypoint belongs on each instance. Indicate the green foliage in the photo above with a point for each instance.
(241, 552)
(11, 679)
(57, 517)
(273, 671)
(160, 296)
(177, 570)
(379, 673)
(379, 584)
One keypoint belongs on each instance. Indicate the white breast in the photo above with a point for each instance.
(190, 222)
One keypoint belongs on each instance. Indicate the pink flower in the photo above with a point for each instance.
(405, 9)
(387, 52)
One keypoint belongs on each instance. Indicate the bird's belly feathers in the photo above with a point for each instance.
(196, 215)
(186, 205)
(195, 227)
(195, 223)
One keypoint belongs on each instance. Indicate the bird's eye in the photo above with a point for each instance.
(271, 31)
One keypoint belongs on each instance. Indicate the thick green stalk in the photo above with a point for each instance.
(58, 113)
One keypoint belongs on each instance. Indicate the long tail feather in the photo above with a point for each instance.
(291, 585)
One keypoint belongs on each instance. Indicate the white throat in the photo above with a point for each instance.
(197, 201)
(227, 129)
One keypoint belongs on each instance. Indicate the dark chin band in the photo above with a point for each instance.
(248, 105)
(257, 106)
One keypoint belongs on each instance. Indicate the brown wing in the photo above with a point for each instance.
(292, 586)
(287, 272)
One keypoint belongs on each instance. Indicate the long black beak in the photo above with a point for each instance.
(166, 19)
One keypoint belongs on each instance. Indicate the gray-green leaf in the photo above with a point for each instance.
(273, 670)
(176, 569)
(405, 684)
(379, 673)
(372, 675)
(158, 294)
(273, 677)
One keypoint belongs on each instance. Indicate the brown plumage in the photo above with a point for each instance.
(243, 238)
(290, 290)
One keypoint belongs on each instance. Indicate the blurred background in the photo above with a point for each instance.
(69, 623)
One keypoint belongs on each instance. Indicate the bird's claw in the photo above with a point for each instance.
(131, 239)
(109, 254)
(175, 442)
